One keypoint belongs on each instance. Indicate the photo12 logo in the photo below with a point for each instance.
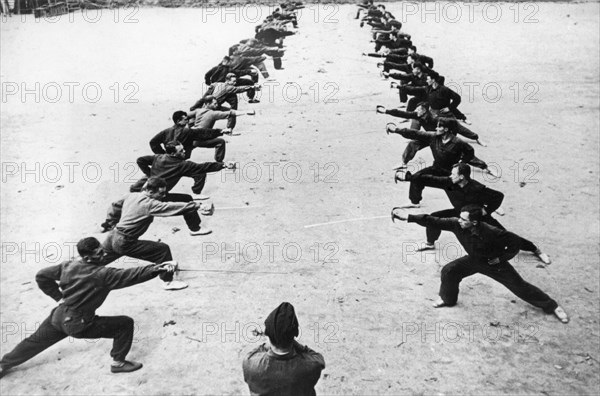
(494, 92)
(38, 252)
(454, 332)
(471, 12)
(285, 171)
(68, 92)
(293, 92)
(69, 172)
(270, 252)
(254, 13)
(252, 332)
(111, 12)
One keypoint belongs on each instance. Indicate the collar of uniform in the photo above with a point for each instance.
(452, 141)
(476, 230)
(290, 355)
(468, 185)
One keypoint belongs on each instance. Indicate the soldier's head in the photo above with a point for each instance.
(211, 102)
(460, 172)
(435, 78)
(281, 326)
(412, 50)
(470, 216)
(446, 125)
(226, 61)
(180, 117)
(155, 188)
(175, 148)
(231, 78)
(417, 68)
(422, 109)
(90, 250)
(432, 78)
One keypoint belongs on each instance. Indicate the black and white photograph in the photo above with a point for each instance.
(279, 197)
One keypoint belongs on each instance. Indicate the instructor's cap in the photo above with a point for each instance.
(281, 326)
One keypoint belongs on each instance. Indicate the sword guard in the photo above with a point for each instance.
(394, 216)
(387, 127)
(398, 177)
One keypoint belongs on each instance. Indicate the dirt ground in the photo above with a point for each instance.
(310, 202)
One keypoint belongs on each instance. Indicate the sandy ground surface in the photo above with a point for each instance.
(361, 293)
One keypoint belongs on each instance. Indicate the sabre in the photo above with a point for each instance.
(230, 271)
(354, 134)
(344, 221)
(355, 111)
(362, 96)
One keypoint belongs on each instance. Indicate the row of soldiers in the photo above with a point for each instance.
(435, 122)
(81, 285)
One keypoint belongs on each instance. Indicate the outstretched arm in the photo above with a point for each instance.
(414, 134)
(447, 224)
(442, 182)
(242, 113)
(116, 278)
(466, 132)
(192, 169)
(411, 115)
(242, 88)
(167, 209)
